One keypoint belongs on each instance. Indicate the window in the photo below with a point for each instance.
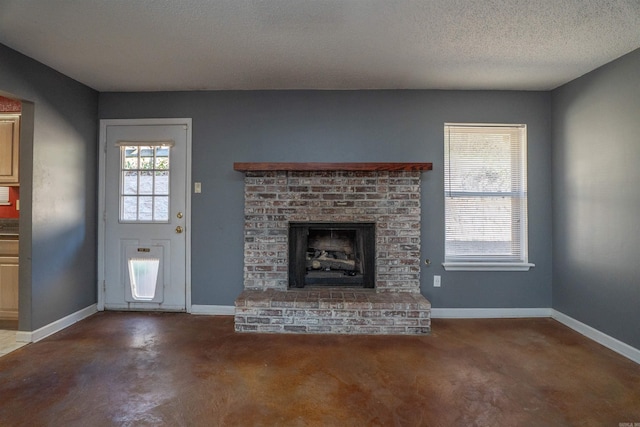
(144, 182)
(485, 189)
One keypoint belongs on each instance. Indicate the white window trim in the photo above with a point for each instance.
(487, 266)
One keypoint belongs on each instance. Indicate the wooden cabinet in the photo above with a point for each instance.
(9, 148)
(8, 287)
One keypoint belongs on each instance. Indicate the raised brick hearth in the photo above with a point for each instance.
(388, 198)
(332, 310)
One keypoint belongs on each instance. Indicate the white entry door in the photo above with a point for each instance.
(145, 211)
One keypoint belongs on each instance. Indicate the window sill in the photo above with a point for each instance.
(487, 266)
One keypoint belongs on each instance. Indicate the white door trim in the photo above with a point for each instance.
(102, 207)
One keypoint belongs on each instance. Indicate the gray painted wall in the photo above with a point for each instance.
(328, 126)
(596, 231)
(596, 149)
(58, 173)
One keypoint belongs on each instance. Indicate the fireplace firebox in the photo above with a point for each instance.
(331, 254)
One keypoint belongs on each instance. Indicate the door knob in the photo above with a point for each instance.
(178, 229)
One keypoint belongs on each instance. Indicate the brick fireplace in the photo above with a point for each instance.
(281, 196)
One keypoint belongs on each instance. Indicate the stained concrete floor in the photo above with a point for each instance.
(148, 369)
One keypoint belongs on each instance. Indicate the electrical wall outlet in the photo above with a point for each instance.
(436, 281)
(197, 187)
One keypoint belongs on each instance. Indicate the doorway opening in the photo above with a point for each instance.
(145, 202)
(10, 114)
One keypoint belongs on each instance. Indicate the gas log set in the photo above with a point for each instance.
(332, 260)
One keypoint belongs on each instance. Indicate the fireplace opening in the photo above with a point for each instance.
(331, 254)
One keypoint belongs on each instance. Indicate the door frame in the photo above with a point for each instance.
(102, 205)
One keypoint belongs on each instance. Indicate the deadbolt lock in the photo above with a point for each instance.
(179, 215)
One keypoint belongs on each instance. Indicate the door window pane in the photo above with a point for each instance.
(162, 182)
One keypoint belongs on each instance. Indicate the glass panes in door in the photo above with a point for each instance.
(144, 186)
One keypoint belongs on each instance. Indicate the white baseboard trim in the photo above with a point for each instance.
(601, 338)
(488, 313)
(213, 310)
(57, 326)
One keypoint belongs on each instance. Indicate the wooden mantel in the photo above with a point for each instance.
(297, 166)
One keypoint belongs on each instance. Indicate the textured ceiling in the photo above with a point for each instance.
(152, 45)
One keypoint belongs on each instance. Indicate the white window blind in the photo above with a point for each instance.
(485, 177)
